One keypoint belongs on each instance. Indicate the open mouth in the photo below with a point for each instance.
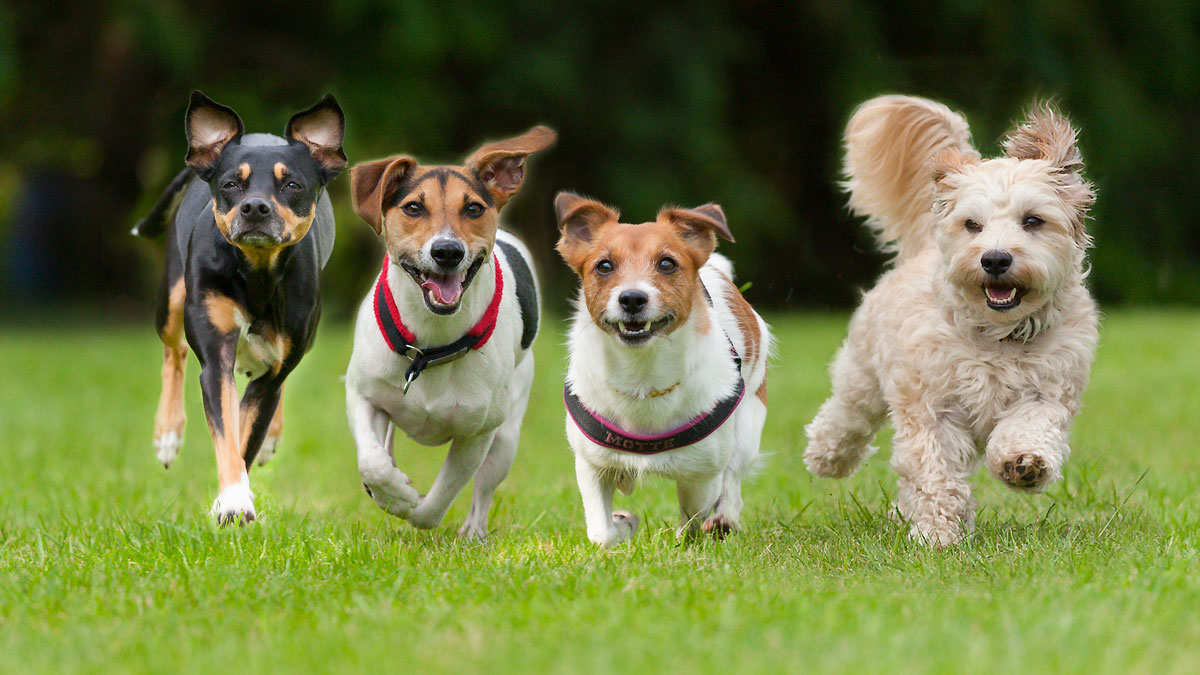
(443, 292)
(1001, 297)
(637, 332)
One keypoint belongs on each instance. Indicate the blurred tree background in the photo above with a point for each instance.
(682, 102)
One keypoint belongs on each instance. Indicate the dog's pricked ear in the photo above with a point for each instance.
(501, 165)
(699, 226)
(1048, 135)
(373, 183)
(321, 128)
(579, 218)
(209, 126)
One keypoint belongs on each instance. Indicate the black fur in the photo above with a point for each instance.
(526, 291)
(276, 294)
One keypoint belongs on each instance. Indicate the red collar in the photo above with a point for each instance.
(402, 341)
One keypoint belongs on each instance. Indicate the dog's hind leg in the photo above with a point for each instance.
(170, 418)
(499, 458)
(839, 437)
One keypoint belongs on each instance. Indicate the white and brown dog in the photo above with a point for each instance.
(441, 344)
(668, 365)
(980, 341)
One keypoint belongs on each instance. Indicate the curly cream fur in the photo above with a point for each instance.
(959, 380)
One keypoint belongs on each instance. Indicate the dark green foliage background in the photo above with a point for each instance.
(740, 103)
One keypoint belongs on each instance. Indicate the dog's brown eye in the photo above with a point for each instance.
(605, 267)
(292, 185)
(972, 226)
(474, 209)
(413, 208)
(1032, 222)
(667, 265)
(230, 186)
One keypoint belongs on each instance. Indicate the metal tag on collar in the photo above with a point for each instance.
(412, 375)
(411, 352)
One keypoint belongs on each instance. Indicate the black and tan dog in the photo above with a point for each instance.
(249, 229)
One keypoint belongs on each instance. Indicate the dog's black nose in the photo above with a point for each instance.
(996, 262)
(633, 301)
(447, 252)
(256, 209)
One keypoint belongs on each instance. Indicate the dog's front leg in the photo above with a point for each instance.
(259, 406)
(462, 462)
(388, 486)
(1028, 447)
(605, 527)
(934, 454)
(235, 501)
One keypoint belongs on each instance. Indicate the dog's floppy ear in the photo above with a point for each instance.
(209, 126)
(501, 165)
(322, 128)
(373, 183)
(1048, 135)
(579, 219)
(699, 226)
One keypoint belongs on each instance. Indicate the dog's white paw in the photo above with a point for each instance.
(235, 504)
(473, 531)
(391, 489)
(166, 447)
(266, 451)
(625, 525)
(938, 532)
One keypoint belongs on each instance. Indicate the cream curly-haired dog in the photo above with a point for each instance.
(979, 341)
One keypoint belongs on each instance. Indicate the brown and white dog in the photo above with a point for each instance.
(667, 369)
(441, 345)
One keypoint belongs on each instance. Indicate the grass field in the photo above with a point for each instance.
(106, 559)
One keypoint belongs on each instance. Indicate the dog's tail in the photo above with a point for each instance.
(890, 141)
(156, 222)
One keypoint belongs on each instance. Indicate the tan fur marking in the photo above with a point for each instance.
(171, 416)
(762, 391)
(243, 172)
(172, 329)
(223, 219)
(405, 235)
(294, 226)
(281, 170)
(744, 315)
(222, 312)
(275, 430)
(227, 444)
(635, 251)
(248, 415)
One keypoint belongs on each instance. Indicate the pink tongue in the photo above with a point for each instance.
(445, 287)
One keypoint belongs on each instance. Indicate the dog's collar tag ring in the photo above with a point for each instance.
(604, 432)
(401, 340)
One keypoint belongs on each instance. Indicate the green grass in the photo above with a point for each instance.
(107, 559)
